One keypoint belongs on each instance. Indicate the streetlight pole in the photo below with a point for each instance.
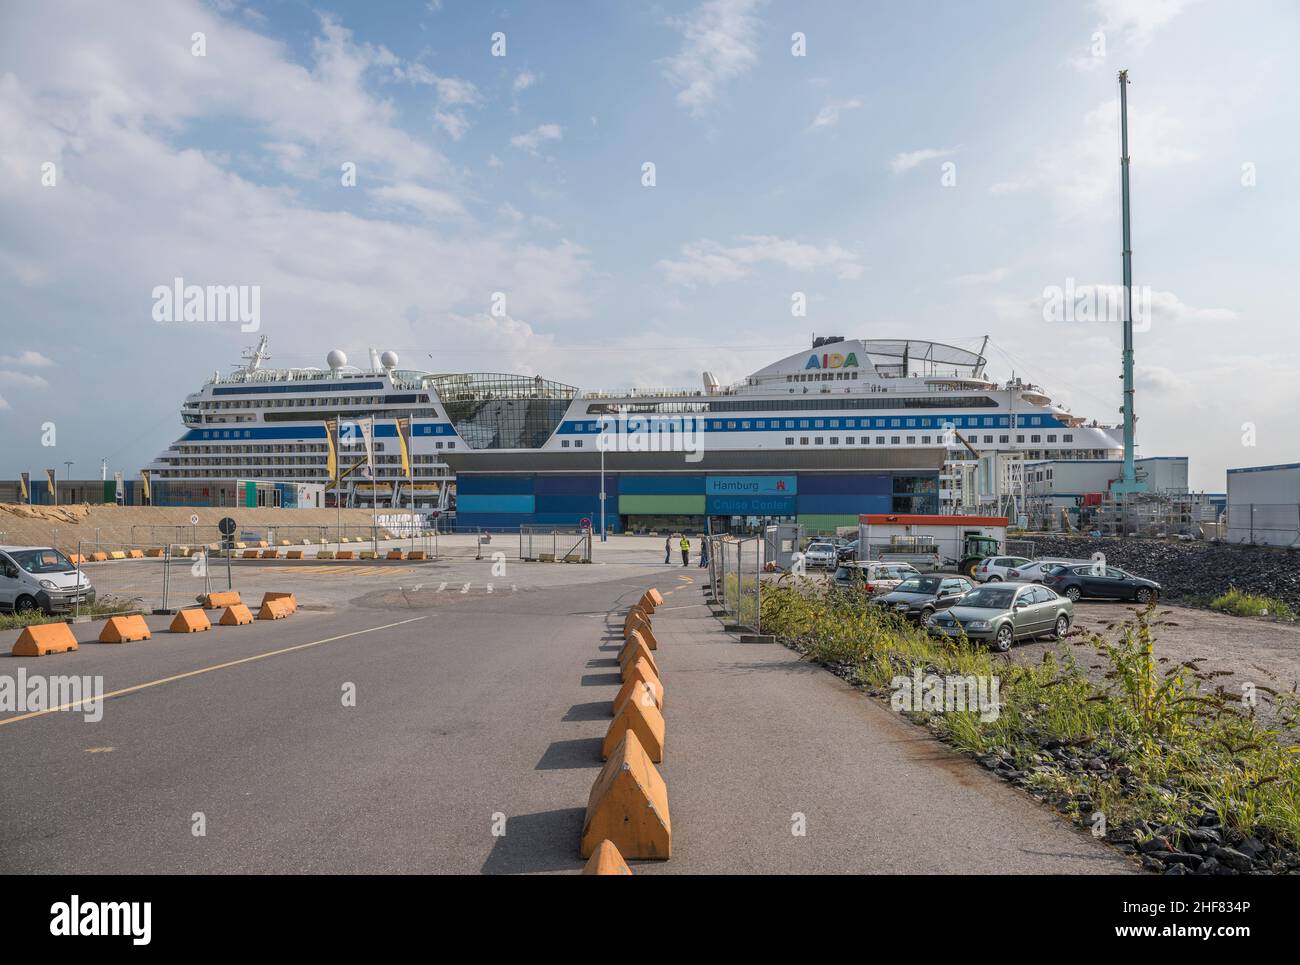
(603, 535)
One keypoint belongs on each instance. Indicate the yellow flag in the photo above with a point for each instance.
(144, 480)
(403, 426)
(332, 458)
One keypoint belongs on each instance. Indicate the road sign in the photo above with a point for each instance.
(194, 519)
(227, 526)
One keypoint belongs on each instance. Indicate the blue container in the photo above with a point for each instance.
(570, 485)
(503, 484)
(569, 519)
(494, 503)
(661, 485)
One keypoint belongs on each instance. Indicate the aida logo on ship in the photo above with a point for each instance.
(832, 360)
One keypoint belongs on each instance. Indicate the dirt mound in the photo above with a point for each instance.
(61, 514)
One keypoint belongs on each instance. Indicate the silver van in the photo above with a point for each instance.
(41, 578)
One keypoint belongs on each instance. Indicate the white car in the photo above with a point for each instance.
(995, 569)
(820, 554)
(41, 578)
(1035, 571)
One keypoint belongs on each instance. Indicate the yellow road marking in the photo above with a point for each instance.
(77, 704)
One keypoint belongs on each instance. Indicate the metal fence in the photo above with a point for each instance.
(119, 578)
(555, 544)
(736, 579)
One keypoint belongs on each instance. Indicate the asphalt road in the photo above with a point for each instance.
(480, 709)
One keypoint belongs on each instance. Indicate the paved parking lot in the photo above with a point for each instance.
(481, 696)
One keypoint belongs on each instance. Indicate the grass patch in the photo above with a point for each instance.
(1154, 742)
(103, 607)
(1243, 604)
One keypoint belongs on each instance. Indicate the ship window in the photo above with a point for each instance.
(803, 440)
(789, 440)
(1020, 438)
(880, 440)
(848, 440)
(911, 440)
(564, 444)
(988, 438)
(1068, 437)
(1004, 438)
(820, 440)
(925, 440)
(893, 440)
(577, 443)
(1051, 438)
(1035, 438)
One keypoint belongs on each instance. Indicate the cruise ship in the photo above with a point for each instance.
(848, 426)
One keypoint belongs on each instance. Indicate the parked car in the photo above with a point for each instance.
(849, 551)
(996, 568)
(1102, 582)
(40, 578)
(820, 553)
(1035, 571)
(872, 576)
(918, 597)
(1000, 615)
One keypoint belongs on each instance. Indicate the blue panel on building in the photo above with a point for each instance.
(661, 485)
(569, 519)
(844, 484)
(503, 484)
(750, 485)
(494, 503)
(586, 503)
(493, 521)
(576, 485)
(833, 505)
(750, 505)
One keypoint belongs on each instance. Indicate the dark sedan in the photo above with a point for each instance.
(919, 597)
(1101, 582)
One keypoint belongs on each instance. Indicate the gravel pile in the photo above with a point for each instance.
(1189, 569)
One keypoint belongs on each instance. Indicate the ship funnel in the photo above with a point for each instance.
(374, 362)
(710, 384)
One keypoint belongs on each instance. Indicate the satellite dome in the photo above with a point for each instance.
(388, 360)
(336, 359)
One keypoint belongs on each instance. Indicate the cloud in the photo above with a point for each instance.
(28, 358)
(1138, 20)
(453, 122)
(711, 263)
(906, 160)
(719, 46)
(829, 115)
(23, 380)
(436, 205)
(523, 80)
(4, 405)
(981, 278)
(532, 140)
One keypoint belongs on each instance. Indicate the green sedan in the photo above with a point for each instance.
(1003, 613)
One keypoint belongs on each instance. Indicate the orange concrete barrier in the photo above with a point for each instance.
(124, 630)
(368, 555)
(158, 551)
(340, 555)
(394, 555)
(40, 639)
(655, 596)
(135, 554)
(288, 599)
(650, 692)
(640, 669)
(250, 554)
(273, 610)
(98, 557)
(293, 555)
(190, 621)
(642, 718)
(116, 555)
(216, 601)
(628, 805)
(606, 861)
(416, 555)
(236, 616)
(262, 543)
(635, 649)
(648, 603)
(324, 554)
(75, 559)
(634, 616)
(647, 635)
(270, 554)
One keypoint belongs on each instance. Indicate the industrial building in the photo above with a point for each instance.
(1264, 505)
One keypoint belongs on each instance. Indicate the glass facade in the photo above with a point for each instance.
(496, 410)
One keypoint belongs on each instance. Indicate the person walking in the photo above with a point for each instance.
(668, 550)
(686, 551)
(704, 552)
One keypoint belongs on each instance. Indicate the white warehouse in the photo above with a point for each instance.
(1264, 505)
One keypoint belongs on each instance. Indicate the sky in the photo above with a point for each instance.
(466, 183)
